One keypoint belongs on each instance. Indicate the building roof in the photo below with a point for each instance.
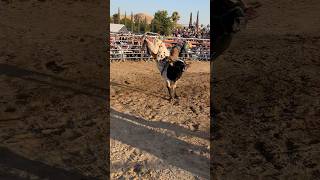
(116, 28)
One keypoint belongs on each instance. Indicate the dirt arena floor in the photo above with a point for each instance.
(267, 96)
(53, 102)
(152, 137)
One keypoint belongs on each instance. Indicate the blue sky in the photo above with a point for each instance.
(184, 7)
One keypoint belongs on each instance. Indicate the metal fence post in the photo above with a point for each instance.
(135, 50)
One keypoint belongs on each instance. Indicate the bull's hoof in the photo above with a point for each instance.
(176, 97)
(174, 101)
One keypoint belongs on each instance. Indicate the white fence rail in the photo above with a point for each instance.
(129, 47)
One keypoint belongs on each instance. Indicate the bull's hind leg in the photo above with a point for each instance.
(169, 90)
(174, 85)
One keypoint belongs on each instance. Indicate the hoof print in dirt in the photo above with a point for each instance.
(176, 97)
(6, 1)
(81, 40)
(174, 101)
(10, 109)
(193, 110)
(54, 67)
(263, 150)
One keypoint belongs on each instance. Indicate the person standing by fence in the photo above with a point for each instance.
(134, 50)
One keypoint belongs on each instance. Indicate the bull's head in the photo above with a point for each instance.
(234, 20)
(228, 19)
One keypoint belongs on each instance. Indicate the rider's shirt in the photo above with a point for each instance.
(163, 52)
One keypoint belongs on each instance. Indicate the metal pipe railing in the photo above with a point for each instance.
(129, 47)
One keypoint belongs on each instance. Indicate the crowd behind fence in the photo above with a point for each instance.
(129, 47)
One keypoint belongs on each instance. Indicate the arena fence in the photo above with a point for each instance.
(129, 47)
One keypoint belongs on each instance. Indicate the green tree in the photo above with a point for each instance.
(175, 17)
(162, 23)
(131, 23)
(115, 18)
(137, 23)
(125, 19)
(119, 16)
(126, 22)
(146, 26)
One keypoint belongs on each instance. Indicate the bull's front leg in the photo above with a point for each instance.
(175, 94)
(169, 90)
(174, 90)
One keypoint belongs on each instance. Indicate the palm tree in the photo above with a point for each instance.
(138, 25)
(175, 16)
(190, 21)
(115, 18)
(119, 18)
(125, 18)
(132, 24)
(145, 24)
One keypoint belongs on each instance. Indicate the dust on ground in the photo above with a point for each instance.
(266, 96)
(152, 137)
(53, 109)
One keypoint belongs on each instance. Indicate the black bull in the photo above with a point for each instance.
(226, 20)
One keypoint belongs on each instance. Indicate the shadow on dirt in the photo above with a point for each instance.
(51, 80)
(136, 132)
(139, 90)
(57, 86)
(11, 160)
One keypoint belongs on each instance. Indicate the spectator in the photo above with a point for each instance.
(203, 32)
